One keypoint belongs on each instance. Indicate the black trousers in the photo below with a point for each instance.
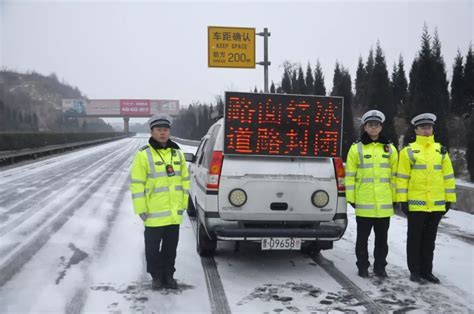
(421, 237)
(364, 227)
(160, 250)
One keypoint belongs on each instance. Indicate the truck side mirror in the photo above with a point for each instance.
(189, 157)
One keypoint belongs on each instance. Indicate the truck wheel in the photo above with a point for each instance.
(191, 210)
(311, 248)
(204, 245)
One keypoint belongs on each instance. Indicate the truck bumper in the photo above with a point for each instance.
(233, 231)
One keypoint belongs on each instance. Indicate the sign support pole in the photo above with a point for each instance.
(265, 62)
(126, 124)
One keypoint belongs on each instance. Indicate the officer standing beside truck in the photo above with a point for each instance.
(160, 187)
(370, 181)
(426, 189)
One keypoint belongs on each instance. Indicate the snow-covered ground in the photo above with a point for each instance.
(70, 243)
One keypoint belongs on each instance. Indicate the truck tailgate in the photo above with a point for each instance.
(278, 189)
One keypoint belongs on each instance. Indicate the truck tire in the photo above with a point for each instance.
(191, 210)
(204, 245)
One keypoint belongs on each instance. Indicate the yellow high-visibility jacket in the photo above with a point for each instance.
(370, 177)
(163, 198)
(425, 177)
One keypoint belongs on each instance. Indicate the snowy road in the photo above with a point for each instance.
(69, 242)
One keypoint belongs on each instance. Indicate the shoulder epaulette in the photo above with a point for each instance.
(144, 147)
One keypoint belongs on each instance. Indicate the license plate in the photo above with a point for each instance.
(281, 244)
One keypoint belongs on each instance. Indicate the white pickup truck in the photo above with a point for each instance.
(283, 202)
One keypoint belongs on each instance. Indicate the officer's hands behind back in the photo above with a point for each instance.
(404, 208)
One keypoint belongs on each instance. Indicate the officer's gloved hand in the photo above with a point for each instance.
(447, 206)
(142, 216)
(404, 208)
(353, 205)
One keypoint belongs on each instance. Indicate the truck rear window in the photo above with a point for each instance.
(210, 146)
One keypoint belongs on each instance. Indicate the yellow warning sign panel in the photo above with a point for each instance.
(231, 47)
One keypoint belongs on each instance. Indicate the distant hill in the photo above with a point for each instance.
(32, 102)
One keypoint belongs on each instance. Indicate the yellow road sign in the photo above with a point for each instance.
(231, 47)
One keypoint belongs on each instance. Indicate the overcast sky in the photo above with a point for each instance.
(129, 49)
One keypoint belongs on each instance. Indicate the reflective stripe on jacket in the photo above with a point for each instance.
(425, 177)
(370, 178)
(163, 198)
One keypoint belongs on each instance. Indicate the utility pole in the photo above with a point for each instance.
(265, 62)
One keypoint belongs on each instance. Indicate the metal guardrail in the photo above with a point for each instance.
(11, 157)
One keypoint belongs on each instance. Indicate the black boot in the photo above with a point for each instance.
(380, 273)
(415, 277)
(364, 273)
(156, 284)
(430, 277)
(170, 283)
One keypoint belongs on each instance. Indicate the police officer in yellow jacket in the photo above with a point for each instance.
(370, 180)
(159, 186)
(426, 189)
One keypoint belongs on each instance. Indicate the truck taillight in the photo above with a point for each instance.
(214, 173)
(340, 174)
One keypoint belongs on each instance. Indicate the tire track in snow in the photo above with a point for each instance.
(43, 166)
(351, 287)
(48, 175)
(42, 197)
(77, 302)
(43, 208)
(24, 252)
(215, 288)
(218, 299)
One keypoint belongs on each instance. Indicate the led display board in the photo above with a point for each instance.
(282, 125)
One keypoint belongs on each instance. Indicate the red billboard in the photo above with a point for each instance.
(283, 125)
(119, 107)
(134, 107)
